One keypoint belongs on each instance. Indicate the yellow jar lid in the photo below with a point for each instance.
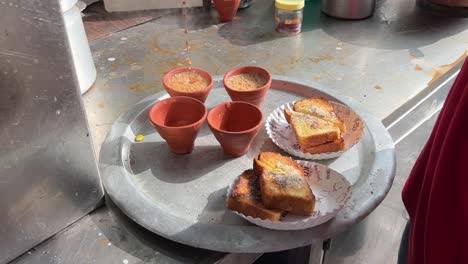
(289, 4)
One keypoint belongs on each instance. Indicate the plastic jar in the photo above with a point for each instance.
(79, 46)
(288, 16)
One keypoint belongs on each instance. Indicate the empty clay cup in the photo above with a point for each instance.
(227, 9)
(235, 125)
(187, 85)
(253, 96)
(178, 119)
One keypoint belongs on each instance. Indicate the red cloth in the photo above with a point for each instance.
(436, 192)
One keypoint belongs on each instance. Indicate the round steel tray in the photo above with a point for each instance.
(182, 197)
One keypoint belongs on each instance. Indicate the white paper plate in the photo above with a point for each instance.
(281, 133)
(331, 189)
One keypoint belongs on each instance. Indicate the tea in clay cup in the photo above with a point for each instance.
(190, 82)
(235, 125)
(178, 120)
(240, 90)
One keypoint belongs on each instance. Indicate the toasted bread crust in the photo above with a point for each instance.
(245, 198)
(268, 161)
(282, 184)
(333, 146)
(314, 101)
(253, 209)
(289, 193)
(287, 115)
(311, 131)
(321, 108)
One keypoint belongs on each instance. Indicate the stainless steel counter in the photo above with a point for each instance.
(382, 61)
(386, 62)
(45, 185)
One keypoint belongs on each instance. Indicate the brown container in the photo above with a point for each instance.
(254, 97)
(178, 119)
(227, 9)
(199, 94)
(235, 125)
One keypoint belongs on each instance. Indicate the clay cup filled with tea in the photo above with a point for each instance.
(248, 84)
(190, 82)
(178, 120)
(235, 125)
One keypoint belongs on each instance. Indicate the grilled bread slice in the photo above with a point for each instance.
(321, 108)
(245, 198)
(283, 185)
(312, 131)
(277, 163)
(333, 146)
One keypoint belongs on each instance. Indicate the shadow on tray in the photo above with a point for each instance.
(130, 237)
(174, 168)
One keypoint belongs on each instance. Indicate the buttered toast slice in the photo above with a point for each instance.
(283, 185)
(321, 108)
(245, 198)
(312, 131)
(277, 163)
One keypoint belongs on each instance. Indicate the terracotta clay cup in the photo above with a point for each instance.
(254, 97)
(235, 125)
(199, 94)
(178, 119)
(227, 9)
